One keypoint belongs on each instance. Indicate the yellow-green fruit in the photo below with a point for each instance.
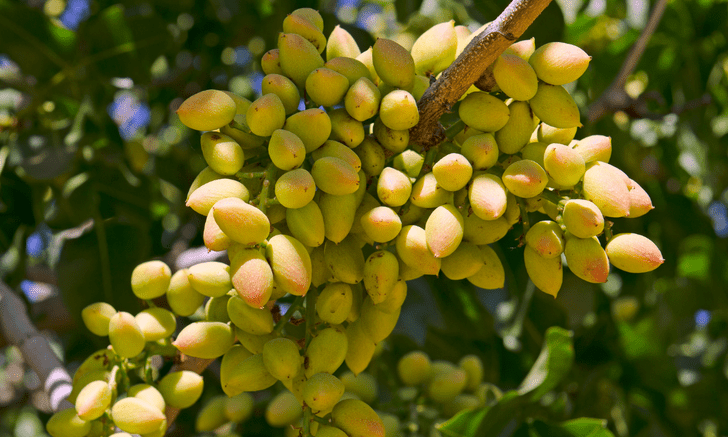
(371, 155)
(291, 264)
(202, 199)
(357, 419)
(381, 273)
(150, 280)
(395, 298)
(270, 62)
(336, 149)
(549, 134)
(515, 77)
(473, 367)
(368, 203)
(435, 49)
(559, 63)
(604, 186)
(283, 410)
(210, 278)
(181, 297)
(253, 343)
(86, 376)
(594, 148)
(281, 358)
(214, 238)
(244, 139)
(96, 317)
(125, 335)
(444, 230)
(411, 244)
(546, 238)
(452, 171)
(479, 231)
(66, 423)
(341, 44)
(93, 400)
(207, 110)
(326, 351)
(525, 178)
(222, 153)
(205, 339)
(411, 162)
(351, 68)
(136, 416)
(147, 393)
(395, 141)
(286, 150)
(239, 408)
(366, 58)
(481, 150)
(524, 48)
(284, 88)
(639, 201)
(216, 309)
(487, 196)
(375, 323)
(330, 431)
(256, 321)
(363, 385)
(211, 415)
(586, 259)
(634, 253)
(345, 260)
(546, 273)
(465, 261)
(398, 110)
(553, 105)
(265, 115)
(181, 389)
(297, 57)
(206, 175)
(311, 15)
(583, 218)
(338, 212)
(252, 277)
(491, 275)
(335, 176)
(419, 87)
(241, 372)
(306, 224)
(362, 100)
(393, 63)
(563, 164)
(534, 152)
(304, 27)
(320, 274)
(295, 189)
(360, 354)
(326, 87)
(334, 303)
(414, 368)
(346, 129)
(241, 221)
(322, 391)
(446, 385)
(156, 323)
(460, 403)
(484, 112)
(393, 187)
(312, 126)
(426, 193)
(101, 360)
(512, 137)
(241, 103)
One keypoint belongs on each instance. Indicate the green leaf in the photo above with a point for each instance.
(465, 423)
(552, 364)
(587, 427)
(486, 421)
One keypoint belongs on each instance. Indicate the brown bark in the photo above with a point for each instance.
(470, 66)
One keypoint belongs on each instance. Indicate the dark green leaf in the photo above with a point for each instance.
(552, 364)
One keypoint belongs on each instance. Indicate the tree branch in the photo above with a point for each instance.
(19, 331)
(615, 98)
(470, 66)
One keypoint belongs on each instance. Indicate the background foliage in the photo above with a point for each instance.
(94, 168)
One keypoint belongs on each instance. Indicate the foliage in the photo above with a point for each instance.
(94, 166)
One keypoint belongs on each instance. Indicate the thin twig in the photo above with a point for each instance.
(615, 97)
